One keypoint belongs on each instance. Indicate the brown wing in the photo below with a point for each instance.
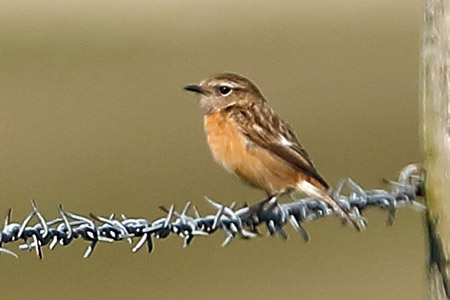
(265, 129)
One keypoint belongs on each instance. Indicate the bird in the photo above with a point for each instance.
(249, 139)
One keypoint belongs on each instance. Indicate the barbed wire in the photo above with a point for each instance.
(243, 222)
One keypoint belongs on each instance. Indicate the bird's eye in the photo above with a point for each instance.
(225, 90)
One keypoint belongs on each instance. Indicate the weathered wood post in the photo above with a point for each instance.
(435, 87)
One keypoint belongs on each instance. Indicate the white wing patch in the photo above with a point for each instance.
(285, 141)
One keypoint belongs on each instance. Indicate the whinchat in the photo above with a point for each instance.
(249, 139)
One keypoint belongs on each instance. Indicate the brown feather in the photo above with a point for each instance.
(248, 138)
(263, 128)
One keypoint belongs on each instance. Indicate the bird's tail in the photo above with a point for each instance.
(321, 194)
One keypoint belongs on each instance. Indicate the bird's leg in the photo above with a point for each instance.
(253, 214)
(270, 202)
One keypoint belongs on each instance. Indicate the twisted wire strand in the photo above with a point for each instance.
(243, 222)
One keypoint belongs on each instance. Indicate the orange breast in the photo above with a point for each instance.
(254, 165)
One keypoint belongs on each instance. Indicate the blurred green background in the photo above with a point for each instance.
(93, 115)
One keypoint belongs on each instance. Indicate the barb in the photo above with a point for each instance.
(243, 222)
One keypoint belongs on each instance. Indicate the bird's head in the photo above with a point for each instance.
(225, 90)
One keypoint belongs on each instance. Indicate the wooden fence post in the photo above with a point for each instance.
(435, 94)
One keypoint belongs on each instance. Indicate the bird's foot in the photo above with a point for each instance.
(254, 212)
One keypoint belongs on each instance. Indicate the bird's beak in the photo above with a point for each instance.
(195, 88)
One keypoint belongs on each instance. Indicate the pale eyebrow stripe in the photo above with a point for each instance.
(229, 84)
